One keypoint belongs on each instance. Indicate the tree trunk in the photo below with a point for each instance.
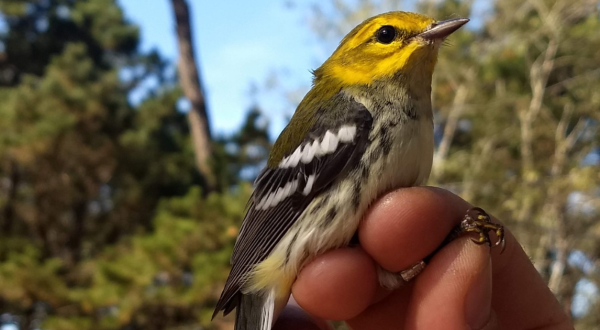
(11, 199)
(192, 89)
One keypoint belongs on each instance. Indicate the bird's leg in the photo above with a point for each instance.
(413, 271)
(475, 221)
(395, 280)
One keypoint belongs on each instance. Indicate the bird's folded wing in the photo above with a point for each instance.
(332, 146)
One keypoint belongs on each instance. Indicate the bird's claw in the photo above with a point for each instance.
(478, 221)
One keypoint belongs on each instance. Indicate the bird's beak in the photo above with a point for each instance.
(442, 29)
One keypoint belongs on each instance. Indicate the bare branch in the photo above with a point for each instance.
(539, 73)
(449, 130)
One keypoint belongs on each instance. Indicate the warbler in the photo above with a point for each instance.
(364, 128)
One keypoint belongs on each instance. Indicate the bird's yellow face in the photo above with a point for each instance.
(385, 45)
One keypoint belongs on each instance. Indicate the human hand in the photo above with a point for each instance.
(463, 287)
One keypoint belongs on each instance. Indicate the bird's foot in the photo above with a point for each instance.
(478, 221)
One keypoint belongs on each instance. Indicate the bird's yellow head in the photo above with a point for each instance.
(387, 44)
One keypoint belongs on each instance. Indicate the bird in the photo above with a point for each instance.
(363, 129)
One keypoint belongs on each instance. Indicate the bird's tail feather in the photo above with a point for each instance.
(255, 311)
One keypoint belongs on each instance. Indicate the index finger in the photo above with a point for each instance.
(406, 225)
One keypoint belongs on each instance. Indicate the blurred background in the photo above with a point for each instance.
(130, 130)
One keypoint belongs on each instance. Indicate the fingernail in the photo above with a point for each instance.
(479, 299)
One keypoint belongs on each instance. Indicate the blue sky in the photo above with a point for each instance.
(238, 44)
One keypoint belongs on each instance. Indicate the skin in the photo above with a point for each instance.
(463, 287)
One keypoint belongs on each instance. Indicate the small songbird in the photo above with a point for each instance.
(364, 129)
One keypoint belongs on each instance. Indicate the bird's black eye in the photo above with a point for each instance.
(386, 34)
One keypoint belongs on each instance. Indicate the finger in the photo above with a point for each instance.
(406, 225)
(337, 285)
(387, 314)
(521, 298)
(454, 291)
(294, 318)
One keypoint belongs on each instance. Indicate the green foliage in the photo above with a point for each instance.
(174, 268)
(39, 30)
(102, 223)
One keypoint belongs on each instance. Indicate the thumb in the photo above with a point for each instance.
(455, 290)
